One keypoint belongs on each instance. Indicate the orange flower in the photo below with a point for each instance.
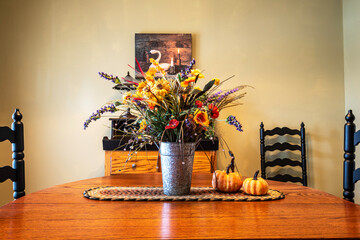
(202, 118)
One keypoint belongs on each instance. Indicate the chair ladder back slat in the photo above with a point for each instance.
(6, 173)
(286, 178)
(282, 147)
(283, 162)
(282, 131)
(356, 176)
(356, 138)
(7, 134)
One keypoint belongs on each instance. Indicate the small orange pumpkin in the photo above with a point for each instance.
(225, 181)
(256, 185)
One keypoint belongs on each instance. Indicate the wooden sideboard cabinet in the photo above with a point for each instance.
(147, 161)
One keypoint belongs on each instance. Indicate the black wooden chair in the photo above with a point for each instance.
(16, 173)
(283, 146)
(351, 139)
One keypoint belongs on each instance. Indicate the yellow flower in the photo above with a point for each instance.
(160, 88)
(202, 118)
(135, 95)
(144, 89)
(142, 125)
(197, 88)
(217, 81)
(196, 72)
(187, 81)
(141, 86)
(153, 61)
(151, 72)
(149, 78)
(157, 66)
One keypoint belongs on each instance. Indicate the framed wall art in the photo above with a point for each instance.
(171, 51)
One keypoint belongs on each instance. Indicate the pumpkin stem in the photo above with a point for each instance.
(256, 175)
(232, 163)
(228, 169)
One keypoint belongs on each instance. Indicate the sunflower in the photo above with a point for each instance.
(144, 89)
(202, 118)
(160, 88)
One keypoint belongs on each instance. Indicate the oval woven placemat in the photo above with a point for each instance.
(157, 194)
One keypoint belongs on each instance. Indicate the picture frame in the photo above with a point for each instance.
(173, 52)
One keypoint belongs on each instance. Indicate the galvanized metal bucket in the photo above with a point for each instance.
(176, 166)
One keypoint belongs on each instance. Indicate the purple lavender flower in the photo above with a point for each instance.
(114, 79)
(226, 94)
(188, 69)
(95, 116)
(215, 95)
(232, 121)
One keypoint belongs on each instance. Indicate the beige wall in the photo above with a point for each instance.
(290, 51)
(351, 25)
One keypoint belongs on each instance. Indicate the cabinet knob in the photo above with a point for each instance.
(134, 165)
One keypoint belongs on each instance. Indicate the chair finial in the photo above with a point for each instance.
(350, 116)
(17, 116)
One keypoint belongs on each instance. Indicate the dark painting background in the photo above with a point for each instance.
(168, 45)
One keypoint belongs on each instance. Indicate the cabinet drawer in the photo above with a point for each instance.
(142, 162)
(148, 161)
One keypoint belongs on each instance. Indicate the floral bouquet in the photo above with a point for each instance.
(173, 110)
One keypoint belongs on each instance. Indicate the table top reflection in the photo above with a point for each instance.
(62, 212)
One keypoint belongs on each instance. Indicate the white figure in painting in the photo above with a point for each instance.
(165, 66)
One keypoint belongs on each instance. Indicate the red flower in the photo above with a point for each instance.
(214, 111)
(198, 103)
(172, 124)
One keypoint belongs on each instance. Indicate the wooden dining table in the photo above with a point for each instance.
(63, 212)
